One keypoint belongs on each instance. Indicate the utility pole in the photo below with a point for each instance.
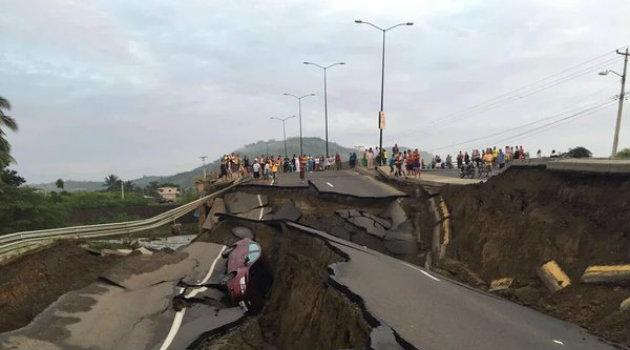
(203, 161)
(621, 98)
(122, 189)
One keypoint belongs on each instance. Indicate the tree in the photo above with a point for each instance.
(11, 178)
(59, 184)
(112, 182)
(578, 152)
(129, 186)
(624, 153)
(6, 121)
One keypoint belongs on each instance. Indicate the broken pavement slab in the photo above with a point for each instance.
(369, 225)
(218, 207)
(395, 213)
(288, 211)
(242, 202)
(553, 277)
(119, 252)
(143, 251)
(606, 274)
(189, 264)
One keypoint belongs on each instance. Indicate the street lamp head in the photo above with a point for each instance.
(358, 21)
(311, 94)
(342, 62)
(603, 72)
(286, 94)
(409, 23)
(307, 62)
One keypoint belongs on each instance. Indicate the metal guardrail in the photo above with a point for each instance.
(20, 242)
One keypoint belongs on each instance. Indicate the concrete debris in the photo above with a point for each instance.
(120, 252)
(501, 284)
(383, 222)
(242, 232)
(606, 274)
(553, 277)
(143, 251)
(625, 305)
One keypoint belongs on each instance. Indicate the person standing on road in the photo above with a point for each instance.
(338, 161)
(501, 158)
(256, 169)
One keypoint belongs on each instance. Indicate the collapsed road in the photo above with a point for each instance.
(346, 288)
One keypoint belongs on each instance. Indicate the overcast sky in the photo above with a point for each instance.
(146, 87)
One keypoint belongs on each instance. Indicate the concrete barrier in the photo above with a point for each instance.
(606, 274)
(553, 277)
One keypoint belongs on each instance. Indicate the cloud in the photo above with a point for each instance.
(137, 88)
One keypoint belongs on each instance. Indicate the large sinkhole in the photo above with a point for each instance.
(304, 310)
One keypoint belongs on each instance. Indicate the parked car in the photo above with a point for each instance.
(248, 278)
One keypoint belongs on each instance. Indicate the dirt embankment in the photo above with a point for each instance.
(523, 218)
(303, 312)
(29, 284)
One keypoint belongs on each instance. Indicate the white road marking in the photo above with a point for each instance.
(329, 184)
(558, 342)
(261, 213)
(179, 315)
(259, 201)
(423, 272)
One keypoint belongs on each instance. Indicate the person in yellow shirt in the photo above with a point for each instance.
(488, 158)
(274, 172)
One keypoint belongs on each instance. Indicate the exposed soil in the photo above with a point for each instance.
(31, 283)
(304, 311)
(519, 220)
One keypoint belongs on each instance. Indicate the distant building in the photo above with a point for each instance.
(168, 193)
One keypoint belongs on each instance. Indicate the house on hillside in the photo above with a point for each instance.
(169, 193)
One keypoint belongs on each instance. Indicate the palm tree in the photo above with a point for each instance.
(6, 122)
(112, 182)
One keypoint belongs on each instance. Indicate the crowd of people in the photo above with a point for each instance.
(266, 167)
(407, 163)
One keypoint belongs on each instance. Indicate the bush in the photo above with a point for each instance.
(23, 209)
(624, 153)
(578, 152)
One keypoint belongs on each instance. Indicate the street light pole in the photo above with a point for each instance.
(621, 98)
(300, 114)
(203, 161)
(381, 114)
(325, 69)
(284, 132)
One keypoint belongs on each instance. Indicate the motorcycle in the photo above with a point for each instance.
(467, 170)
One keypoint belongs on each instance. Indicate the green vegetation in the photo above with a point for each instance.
(578, 152)
(6, 122)
(624, 153)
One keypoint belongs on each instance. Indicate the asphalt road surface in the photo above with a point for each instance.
(431, 312)
(131, 308)
(337, 182)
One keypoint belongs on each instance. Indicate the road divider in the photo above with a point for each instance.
(606, 274)
(553, 277)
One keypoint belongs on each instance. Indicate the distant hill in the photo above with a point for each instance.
(311, 145)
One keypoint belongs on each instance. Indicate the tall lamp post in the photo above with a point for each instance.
(621, 98)
(381, 114)
(300, 114)
(203, 161)
(325, 68)
(284, 132)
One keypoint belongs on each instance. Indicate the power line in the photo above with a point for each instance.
(523, 87)
(582, 110)
(545, 86)
(554, 124)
